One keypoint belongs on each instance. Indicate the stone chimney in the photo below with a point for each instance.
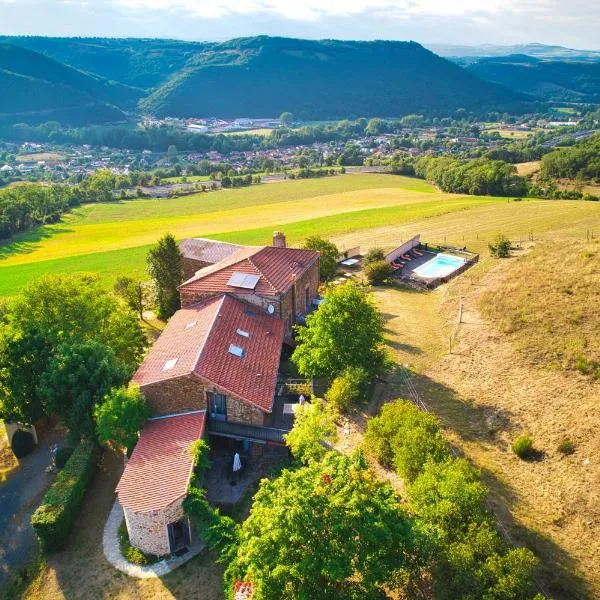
(279, 239)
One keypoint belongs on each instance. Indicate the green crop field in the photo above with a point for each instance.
(113, 239)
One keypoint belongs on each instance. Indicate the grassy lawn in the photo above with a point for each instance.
(188, 178)
(81, 571)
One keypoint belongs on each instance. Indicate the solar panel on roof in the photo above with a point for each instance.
(243, 280)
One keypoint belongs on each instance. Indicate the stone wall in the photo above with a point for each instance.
(290, 309)
(191, 265)
(148, 530)
(242, 412)
(175, 395)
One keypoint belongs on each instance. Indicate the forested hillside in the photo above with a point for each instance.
(581, 161)
(142, 63)
(550, 80)
(262, 76)
(37, 89)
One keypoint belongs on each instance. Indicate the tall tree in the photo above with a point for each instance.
(329, 255)
(165, 266)
(327, 530)
(76, 380)
(52, 311)
(286, 119)
(345, 331)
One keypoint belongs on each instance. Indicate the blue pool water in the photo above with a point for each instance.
(439, 266)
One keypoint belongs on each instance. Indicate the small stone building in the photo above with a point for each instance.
(155, 483)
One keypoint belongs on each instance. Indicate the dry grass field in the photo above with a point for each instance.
(528, 168)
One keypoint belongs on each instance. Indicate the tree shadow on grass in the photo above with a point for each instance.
(27, 242)
(557, 573)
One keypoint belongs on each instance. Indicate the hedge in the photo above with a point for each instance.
(54, 518)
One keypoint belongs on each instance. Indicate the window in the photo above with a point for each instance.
(243, 333)
(236, 350)
(169, 364)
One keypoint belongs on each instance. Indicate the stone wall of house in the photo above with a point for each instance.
(148, 530)
(241, 412)
(291, 309)
(189, 297)
(176, 395)
(191, 265)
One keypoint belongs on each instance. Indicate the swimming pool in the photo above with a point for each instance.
(440, 265)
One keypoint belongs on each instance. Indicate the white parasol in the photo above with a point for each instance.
(237, 463)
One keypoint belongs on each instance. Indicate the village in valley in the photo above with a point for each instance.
(307, 354)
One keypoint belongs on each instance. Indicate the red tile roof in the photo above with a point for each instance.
(276, 268)
(199, 338)
(159, 470)
(242, 590)
(210, 251)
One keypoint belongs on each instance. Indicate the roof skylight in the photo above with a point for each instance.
(236, 350)
(191, 324)
(243, 333)
(169, 364)
(247, 281)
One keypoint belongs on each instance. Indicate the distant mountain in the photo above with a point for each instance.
(536, 50)
(264, 76)
(37, 89)
(561, 81)
(143, 63)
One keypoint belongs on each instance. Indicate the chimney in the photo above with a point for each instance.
(279, 239)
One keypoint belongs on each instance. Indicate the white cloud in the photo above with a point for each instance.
(310, 10)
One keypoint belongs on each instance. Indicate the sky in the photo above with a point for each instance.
(572, 23)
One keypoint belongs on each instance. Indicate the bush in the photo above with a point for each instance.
(374, 255)
(566, 446)
(523, 446)
(131, 554)
(22, 443)
(378, 272)
(54, 518)
(406, 438)
(348, 389)
(62, 456)
(199, 451)
(501, 246)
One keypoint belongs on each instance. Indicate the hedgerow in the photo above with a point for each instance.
(54, 518)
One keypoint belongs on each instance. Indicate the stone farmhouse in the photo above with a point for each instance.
(214, 372)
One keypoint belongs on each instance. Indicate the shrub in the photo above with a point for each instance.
(132, 554)
(199, 451)
(62, 456)
(22, 443)
(501, 246)
(374, 255)
(566, 446)
(54, 518)
(378, 272)
(348, 389)
(523, 446)
(406, 438)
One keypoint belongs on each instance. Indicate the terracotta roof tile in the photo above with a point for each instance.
(276, 268)
(159, 470)
(199, 337)
(242, 590)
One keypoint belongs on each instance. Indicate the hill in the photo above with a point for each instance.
(42, 89)
(143, 63)
(558, 80)
(263, 76)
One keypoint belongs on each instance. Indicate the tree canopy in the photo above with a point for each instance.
(165, 266)
(328, 258)
(345, 331)
(51, 314)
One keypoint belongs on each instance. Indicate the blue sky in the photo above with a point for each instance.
(574, 23)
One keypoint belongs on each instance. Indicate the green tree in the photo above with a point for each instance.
(406, 438)
(165, 266)
(286, 119)
(100, 186)
(137, 294)
(313, 427)
(120, 417)
(328, 255)
(52, 311)
(374, 255)
(345, 331)
(348, 388)
(329, 529)
(500, 248)
(76, 380)
(378, 272)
